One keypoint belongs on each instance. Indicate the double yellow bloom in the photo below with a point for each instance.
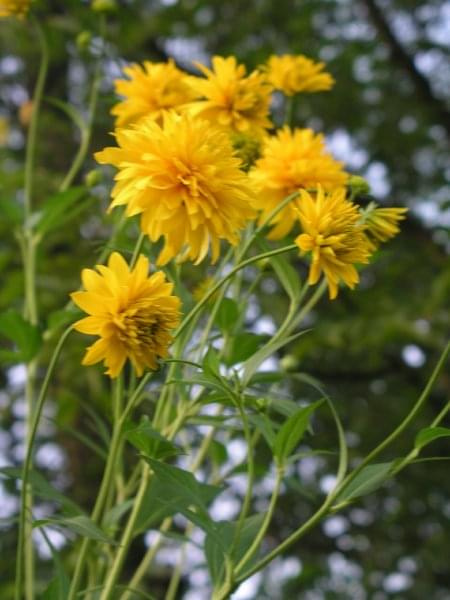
(196, 162)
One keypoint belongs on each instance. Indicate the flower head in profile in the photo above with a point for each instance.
(14, 8)
(231, 98)
(292, 74)
(184, 180)
(150, 90)
(381, 223)
(292, 160)
(132, 312)
(334, 236)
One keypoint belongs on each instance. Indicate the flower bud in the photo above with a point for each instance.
(83, 40)
(104, 5)
(358, 185)
(93, 178)
(289, 363)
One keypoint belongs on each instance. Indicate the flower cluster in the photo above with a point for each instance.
(198, 159)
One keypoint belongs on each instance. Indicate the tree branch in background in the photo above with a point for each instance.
(404, 61)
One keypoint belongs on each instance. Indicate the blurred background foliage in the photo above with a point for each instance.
(373, 349)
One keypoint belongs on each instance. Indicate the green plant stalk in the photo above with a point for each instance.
(87, 133)
(402, 426)
(127, 536)
(340, 484)
(151, 552)
(108, 477)
(250, 477)
(411, 456)
(188, 318)
(24, 506)
(25, 542)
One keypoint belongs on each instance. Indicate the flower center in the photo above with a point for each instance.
(137, 329)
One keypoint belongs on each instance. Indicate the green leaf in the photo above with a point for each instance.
(81, 525)
(42, 488)
(184, 484)
(149, 441)
(264, 425)
(425, 436)
(22, 333)
(11, 211)
(211, 363)
(61, 208)
(113, 516)
(215, 552)
(218, 453)
(292, 431)
(370, 478)
(227, 315)
(242, 347)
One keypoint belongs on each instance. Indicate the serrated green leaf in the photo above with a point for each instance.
(227, 315)
(370, 478)
(292, 431)
(426, 436)
(22, 333)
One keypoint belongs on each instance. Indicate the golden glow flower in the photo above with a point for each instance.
(151, 90)
(184, 181)
(230, 98)
(17, 8)
(132, 312)
(292, 160)
(334, 235)
(381, 223)
(292, 74)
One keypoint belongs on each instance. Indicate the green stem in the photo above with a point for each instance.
(188, 318)
(25, 508)
(127, 536)
(108, 477)
(327, 504)
(265, 524)
(403, 425)
(86, 133)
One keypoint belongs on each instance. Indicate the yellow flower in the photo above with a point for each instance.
(18, 8)
(292, 74)
(230, 98)
(151, 90)
(184, 180)
(133, 314)
(332, 232)
(381, 223)
(292, 160)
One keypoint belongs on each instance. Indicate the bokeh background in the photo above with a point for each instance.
(387, 118)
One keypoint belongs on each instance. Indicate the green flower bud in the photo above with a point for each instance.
(104, 5)
(358, 185)
(289, 363)
(93, 178)
(83, 40)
